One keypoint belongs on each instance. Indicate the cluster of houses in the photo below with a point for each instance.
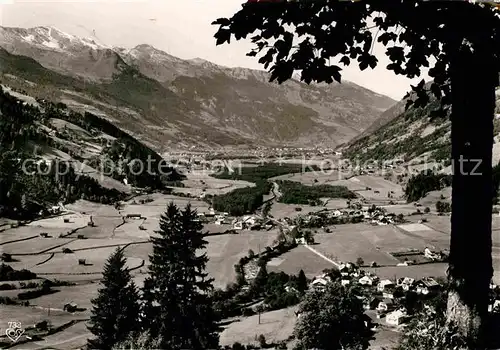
(381, 218)
(246, 222)
(374, 216)
(252, 222)
(386, 294)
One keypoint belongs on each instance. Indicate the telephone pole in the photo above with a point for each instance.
(257, 272)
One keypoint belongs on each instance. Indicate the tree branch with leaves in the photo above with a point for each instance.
(459, 43)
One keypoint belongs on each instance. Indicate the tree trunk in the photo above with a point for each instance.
(473, 82)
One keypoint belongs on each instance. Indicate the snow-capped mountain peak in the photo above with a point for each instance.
(62, 52)
(48, 37)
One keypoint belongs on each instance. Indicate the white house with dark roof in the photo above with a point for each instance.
(385, 305)
(384, 285)
(366, 281)
(406, 283)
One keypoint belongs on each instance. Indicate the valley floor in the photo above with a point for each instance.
(45, 256)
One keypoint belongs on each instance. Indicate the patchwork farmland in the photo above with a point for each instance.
(72, 247)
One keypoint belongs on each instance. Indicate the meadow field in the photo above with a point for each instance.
(226, 250)
(276, 326)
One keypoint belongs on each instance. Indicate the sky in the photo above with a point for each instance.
(180, 27)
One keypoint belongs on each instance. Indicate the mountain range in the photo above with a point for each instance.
(170, 102)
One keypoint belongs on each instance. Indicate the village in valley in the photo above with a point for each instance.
(392, 252)
(149, 200)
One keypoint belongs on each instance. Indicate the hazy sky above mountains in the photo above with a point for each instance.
(179, 27)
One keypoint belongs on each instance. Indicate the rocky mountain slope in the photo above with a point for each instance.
(411, 136)
(169, 101)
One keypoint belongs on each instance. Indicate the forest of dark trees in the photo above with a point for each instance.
(242, 200)
(419, 185)
(262, 172)
(247, 200)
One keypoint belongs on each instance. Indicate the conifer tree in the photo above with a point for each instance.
(260, 281)
(115, 311)
(302, 281)
(178, 308)
(331, 320)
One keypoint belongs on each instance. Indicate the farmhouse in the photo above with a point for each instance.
(55, 209)
(385, 305)
(300, 240)
(70, 307)
(388, 294)
(210, 213)
(430, 254)
(495, 307)
(426, 286)
(406, 283)
(268, 225)
(337, 213)
(385, 284)
(366, 281)
(372, 303)
(320, 282)
(250, 220)
(133, 216)
(291, 289)
(238, 225)
(221, 219)
(349, 269)
(396, 318)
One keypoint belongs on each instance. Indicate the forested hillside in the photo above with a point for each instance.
(410, 135)
(46, 153)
